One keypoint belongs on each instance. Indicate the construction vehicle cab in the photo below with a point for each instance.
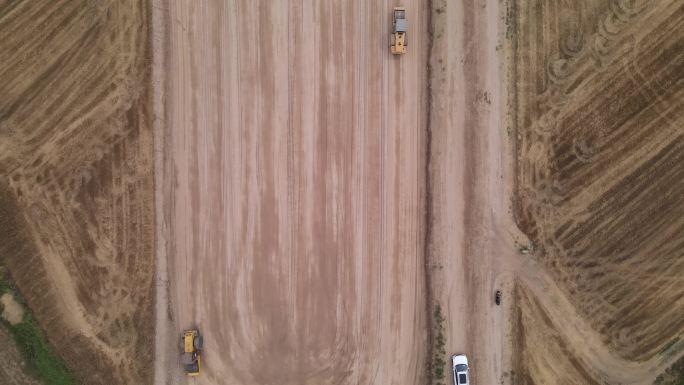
(191, 346)
(398, 40)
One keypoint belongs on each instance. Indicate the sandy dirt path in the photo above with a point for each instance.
(472, 239)
(293, 188)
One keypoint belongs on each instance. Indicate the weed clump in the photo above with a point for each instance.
(438, 361)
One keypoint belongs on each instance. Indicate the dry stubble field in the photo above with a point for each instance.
(596, 106)
(76, 190)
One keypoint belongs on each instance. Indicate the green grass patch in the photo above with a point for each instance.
(674, 375)
(42, 361)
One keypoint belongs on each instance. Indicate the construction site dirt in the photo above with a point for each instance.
(294, 188)
(320, 203)
(306, 196)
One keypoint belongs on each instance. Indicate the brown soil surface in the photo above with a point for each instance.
(76, 187)
(294, 191)
(596, 101)
(12, 311)
(12, 370)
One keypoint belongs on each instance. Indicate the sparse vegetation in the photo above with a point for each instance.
(43, 363)
(674, 375)
(438, 362)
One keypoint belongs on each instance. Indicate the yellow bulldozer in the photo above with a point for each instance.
(398, 40)
(191, 344)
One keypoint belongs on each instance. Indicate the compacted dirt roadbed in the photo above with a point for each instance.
(293, 185)
(471, 238)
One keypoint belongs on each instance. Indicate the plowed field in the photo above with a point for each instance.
(597, 100)
(76, 187)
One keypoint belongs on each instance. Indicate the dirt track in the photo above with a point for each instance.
(470, 240)
(295, 178)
